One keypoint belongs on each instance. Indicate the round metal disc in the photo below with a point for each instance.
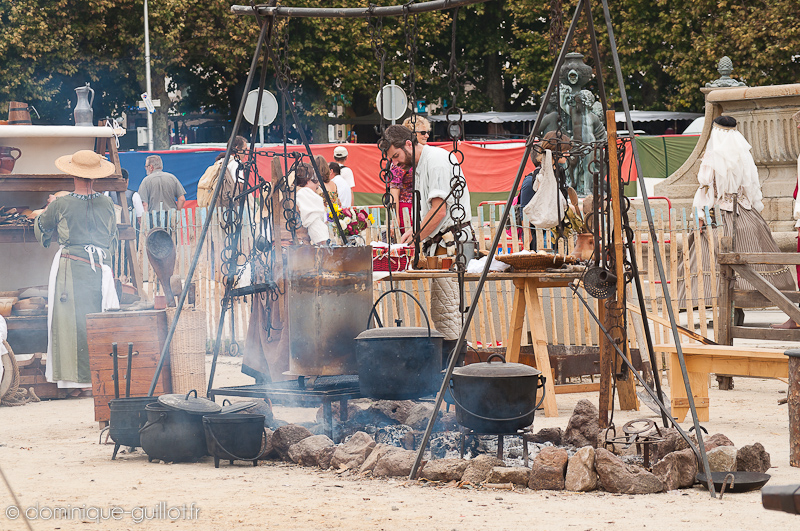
(392, 102)
(190, 404)
(269, 107)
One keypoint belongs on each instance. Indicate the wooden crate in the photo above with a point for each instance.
(147, 330)
(31, 375)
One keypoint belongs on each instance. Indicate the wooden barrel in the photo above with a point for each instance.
(18, 113)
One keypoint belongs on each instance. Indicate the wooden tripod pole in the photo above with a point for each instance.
(615, 318)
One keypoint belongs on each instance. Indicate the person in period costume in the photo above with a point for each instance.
(330, 186)
(789, 324)
(83, 224)
(728, 179)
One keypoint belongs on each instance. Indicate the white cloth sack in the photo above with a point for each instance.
(477, 265)
(548, 205)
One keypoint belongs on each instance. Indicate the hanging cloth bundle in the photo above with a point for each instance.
(548, 205)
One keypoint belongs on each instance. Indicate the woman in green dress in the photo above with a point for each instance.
(83, 224)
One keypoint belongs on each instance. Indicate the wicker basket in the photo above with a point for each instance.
(187, 351)
(534, 262)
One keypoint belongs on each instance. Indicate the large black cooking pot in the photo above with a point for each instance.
(496, 397)
(234, 436)
(127, 416)
(399, 363)
(174, 429)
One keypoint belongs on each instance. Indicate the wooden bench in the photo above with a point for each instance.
(701, 360)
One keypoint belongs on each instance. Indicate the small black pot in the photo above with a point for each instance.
(172, 436)
(174, 429)
(127, 416)
(496, 397)
(399, 363)
(234, 436)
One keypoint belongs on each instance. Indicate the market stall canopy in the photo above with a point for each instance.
(501, 117)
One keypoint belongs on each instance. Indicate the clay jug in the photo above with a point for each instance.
(83, 109)
(7, 159)
(584, 246)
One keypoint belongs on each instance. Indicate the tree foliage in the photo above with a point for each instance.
(667, 49)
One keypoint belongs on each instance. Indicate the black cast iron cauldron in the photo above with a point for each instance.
(496, 397)
(399, 363)
(174, 429)
(127, 416)
(235, 436)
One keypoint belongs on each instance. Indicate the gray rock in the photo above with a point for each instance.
(581, 474)
(616, 476)
(306, 452)
(582, 428)
(286, 436)
(722, 459)
(418, 416)
(448, 422)
(677, 469)
(353, 411)
(353, 453)
(517, 475)
(712, 441)
(325, 456)
(395, 463)
(549, 468)
(262, 407)
(673, 442)
(393, 411)
(376, 453)
(479, 469)
(444, 469)
(551, 435)
(752, 458)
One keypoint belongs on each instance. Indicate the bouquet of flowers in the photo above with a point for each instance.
(353, 220)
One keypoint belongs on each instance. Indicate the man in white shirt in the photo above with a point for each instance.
(340, 157)
(343, 188)
(432, 179)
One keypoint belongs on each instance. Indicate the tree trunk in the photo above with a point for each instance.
(494, 82)
(161, 116)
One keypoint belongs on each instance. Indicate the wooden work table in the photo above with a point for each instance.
(526, 301)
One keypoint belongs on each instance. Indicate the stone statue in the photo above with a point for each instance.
(725, 68)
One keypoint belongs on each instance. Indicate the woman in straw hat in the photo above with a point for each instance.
(84, 224)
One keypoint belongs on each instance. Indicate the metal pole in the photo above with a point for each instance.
(354, 12)
(503, 219)
(147, 75)
(625, 359)
(656, 250)
(202, 238)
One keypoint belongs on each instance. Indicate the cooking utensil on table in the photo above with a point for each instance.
(161, 253)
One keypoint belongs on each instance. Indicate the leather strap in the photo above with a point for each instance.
(73, 257)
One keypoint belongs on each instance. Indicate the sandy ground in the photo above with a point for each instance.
(50, 454)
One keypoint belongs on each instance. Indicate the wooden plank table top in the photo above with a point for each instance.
(558, 279)
(702, 360)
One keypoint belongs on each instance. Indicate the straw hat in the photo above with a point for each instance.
(85, 164)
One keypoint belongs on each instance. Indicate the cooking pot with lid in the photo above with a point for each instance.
(399, 363)
(496, 397)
